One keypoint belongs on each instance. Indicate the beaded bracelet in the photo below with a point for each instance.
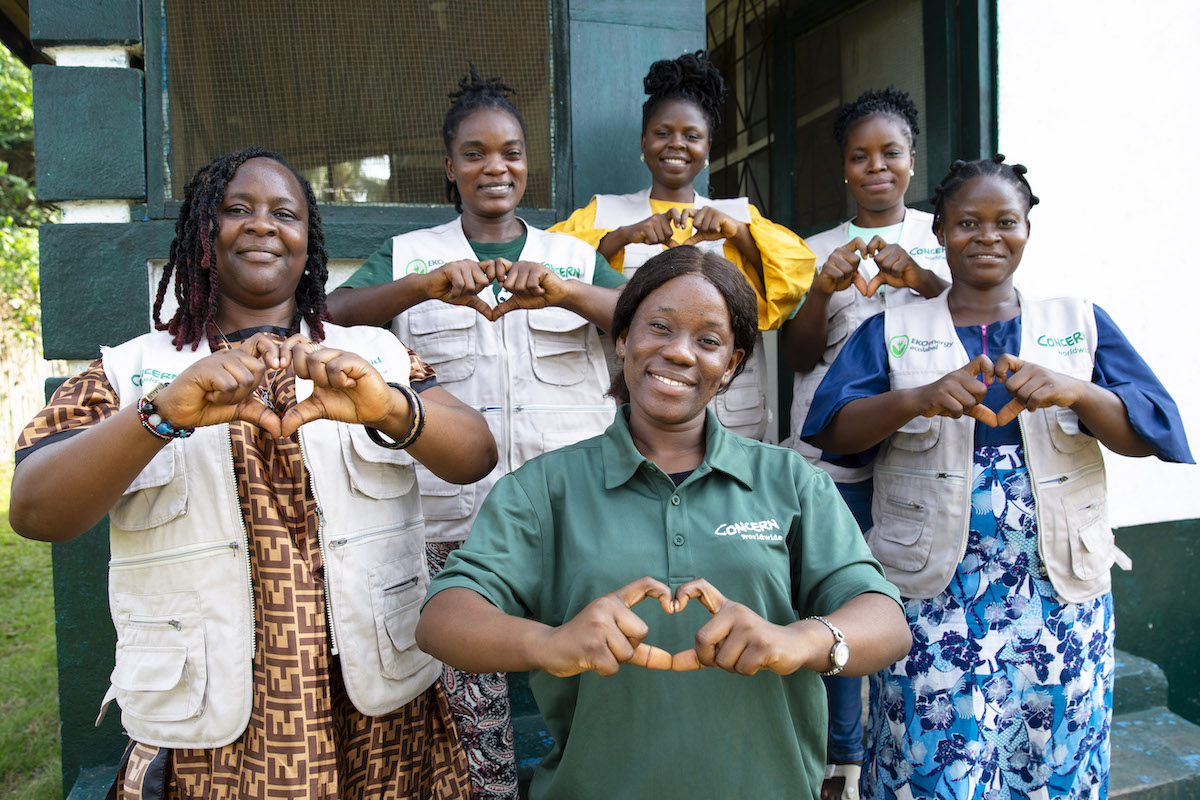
(153, 422)
(416, 407)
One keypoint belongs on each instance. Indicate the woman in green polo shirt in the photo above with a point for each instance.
(668, 504)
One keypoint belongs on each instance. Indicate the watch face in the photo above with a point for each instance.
(840, 654)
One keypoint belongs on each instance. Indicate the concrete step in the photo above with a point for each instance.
(1139, 684)
(1155, 756)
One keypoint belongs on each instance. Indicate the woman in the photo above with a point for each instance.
(679, 120)
(885, 250)
(266, 549)
(1004, 563)
(508, 315)
(668, 504)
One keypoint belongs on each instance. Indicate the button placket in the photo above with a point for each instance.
(679, 555)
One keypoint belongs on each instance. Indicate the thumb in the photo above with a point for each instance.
(305, 411)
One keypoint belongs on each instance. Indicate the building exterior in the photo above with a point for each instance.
(141, 92)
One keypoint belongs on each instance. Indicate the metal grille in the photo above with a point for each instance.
(352, 93)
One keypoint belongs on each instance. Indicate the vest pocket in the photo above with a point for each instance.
(1093, 547)
(396, 594)
(558, 346)
(1065, 434)
(161, 669)
(441, 500)
(897, 539)
(157, 495)
(443, 335)
(374, 471)
(918, 434)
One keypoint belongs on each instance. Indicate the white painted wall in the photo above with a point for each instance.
(1098, 99)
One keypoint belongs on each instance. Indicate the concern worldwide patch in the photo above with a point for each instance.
(898, 345)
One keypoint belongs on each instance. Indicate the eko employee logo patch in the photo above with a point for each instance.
(898, 345)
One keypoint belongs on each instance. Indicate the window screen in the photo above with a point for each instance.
(351, 92)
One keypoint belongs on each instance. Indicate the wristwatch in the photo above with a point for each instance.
(839, 656)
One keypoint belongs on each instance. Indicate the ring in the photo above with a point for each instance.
(313, 346)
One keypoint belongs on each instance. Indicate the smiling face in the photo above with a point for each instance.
(678, 350)
(984, 228)
(487, 163)
(877, 160)
(262, 245)
(676, 143)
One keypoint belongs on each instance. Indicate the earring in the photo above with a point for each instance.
(912, 172)
(706, 161)
(643, 157)
(621, 352)
(846, 181)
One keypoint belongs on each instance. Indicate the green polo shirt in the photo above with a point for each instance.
(377, 269)
(762, 525)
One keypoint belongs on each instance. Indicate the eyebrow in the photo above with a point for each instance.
(280, 200)
(478, 143)
(712, 323)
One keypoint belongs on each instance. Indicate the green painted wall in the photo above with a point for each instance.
(1156, 605)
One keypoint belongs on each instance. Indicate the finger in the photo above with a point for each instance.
(254, 410)
(488, 267)
(1006, 365)
(700, 588)
(633, 593)
(650, 657)
(308, 359)
(860, 283)
(874, 284)
(1009, 412)
(697, 238)
(501, 268)
(265, 349)
(686, 661)
(476, 302)
(858, 245)
(981, 367)
(983, 414)
(876, 245)
(305, 411)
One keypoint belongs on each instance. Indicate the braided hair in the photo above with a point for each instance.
(963, 171)
(690, 77)
(474, 93)
(889, 102)
(194, 264)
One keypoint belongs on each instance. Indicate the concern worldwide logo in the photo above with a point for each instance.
(898, 345)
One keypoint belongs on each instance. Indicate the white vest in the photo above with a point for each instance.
(179, 577)
(538, 377)
(923, 471)
(847, 310)
(742, 408)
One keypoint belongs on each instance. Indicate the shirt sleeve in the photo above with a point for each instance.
(375, 270)
(788, 267)
(84, 400)
(860, 370)
(502, 558)
(604, 275)
(582, 225)
(420, 375)
(831, 563)
(1151, 409)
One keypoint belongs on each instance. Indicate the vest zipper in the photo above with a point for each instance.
(536, 407)
(312, 486)
(378, 533)
(246, 542)
(1067, 477)
(172, 556)
(962, 550)
(155, 621)
(951, 475)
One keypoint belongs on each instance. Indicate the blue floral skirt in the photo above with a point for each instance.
(1007, 691)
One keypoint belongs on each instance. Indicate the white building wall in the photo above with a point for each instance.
(1098, 99)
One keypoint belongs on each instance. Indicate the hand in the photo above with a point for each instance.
(606, 634)
(459, 283)
(840, 270)
(896, 267)
(655, 229)
(346, 388)
(710, 224)
(736, 639)
(1033, 386)
(224, 387)
(962, 391)
(532, 285)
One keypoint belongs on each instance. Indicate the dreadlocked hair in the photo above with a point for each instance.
(193, 256)
(963, 171)
(690, 77)
(889, 102)
(473, 94)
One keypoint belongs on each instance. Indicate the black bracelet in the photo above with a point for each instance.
(416, 407)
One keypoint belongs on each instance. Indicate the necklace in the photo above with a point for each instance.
(263, 393)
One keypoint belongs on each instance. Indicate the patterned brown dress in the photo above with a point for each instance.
(305, 739)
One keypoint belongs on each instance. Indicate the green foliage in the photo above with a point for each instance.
(20, 212)
(29, 735)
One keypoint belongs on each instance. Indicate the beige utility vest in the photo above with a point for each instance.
(179, 576)
(538, 377)
(847, 310)
(923, 471)
(742, 408)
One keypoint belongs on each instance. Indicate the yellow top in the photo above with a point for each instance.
(788, 265)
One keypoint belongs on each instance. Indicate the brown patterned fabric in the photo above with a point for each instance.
(304, 739)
